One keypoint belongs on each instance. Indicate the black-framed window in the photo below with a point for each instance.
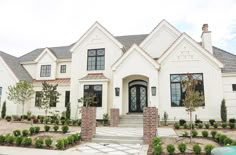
(97, 91)
(63, 69)
(234, 87)
(38, 95)
(96, 59)
(178, 92)
(45, 71)
(67, 98)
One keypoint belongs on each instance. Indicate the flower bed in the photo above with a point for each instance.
(41, 139)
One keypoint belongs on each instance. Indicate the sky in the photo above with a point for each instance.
(29, 24)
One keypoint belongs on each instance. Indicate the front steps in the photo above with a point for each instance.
(117, 139)
(131, 120)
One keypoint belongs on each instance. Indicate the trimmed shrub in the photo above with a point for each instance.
(176, 125)
(2, 139)
(170, 149)
(222, 138)
(213, 134)
(10, 139)
(208, 149)
(224, 125)
(200, 125)
(27, 141)
(56, 121)
(52, 121)
(182, 122)
(16, 133)
(157, 149)
(47, 128)
(41, 120)
(232, 120)
(25, 133)
(194, 133)
(156, 140)
(60, 144)
(77, 136)
(39, 143)
(36, 129)
(228, 141)
(19, 140)
(65, 129)
(8, 118)
(185, 126)
(48, 142)
(197, 149)
(198, 121)
(65, 142)
(46, 120)
(70, 139)
(63, 121)
(215, 125)
(212, 121)
(189, 126)
(32, 130)
(217, 137)
(55, 128)
(223, 111)
(207, 125)
(205, 133)
(182, 147)
(232, 125)
(185, 134)
(233, 143)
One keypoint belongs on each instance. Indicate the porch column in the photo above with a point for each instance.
(88, 123)
(114, 117)
(149, 124)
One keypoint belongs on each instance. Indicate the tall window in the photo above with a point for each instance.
(96, 90)
(63, 69)
(96, 59)
(45, 71)
(178, 92)
(38, 95)
(67, 98)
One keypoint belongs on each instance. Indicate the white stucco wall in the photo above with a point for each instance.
(31, 69)
(229, 94)
(7, 79)
(68, 70)
(187, 59)
(96, 39)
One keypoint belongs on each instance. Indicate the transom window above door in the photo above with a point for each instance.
(96, 59)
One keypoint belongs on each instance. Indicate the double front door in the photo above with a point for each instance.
(137, 95)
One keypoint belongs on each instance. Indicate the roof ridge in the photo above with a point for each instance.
(8, 54)
(131, 35)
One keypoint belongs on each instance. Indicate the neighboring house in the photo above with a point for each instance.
(130, 72)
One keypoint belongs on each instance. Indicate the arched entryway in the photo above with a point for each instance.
(137, 95)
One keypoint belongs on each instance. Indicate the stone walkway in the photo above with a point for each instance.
(166, 132)
(119, 131)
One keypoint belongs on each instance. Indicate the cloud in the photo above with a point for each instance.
(29, 24)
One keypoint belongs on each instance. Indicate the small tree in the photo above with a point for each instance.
(88, 100)
(49, 96)
(4, 110)
(193, 98)
(223, 111)
(20, 93)
(68, 110)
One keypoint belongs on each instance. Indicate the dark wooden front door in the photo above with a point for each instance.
(137, 96)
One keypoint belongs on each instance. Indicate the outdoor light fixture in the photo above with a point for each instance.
(117, 90)
(154, 91)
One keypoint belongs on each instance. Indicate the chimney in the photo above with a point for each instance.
(206, 38)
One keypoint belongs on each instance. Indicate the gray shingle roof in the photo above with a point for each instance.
(129, 40)
(228, 59)
(14, 64)
(62, 52)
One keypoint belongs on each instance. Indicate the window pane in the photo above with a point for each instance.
(92, 53)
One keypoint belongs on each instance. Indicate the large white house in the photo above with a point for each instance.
(127, 72)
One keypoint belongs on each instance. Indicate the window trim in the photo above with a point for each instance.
(41, 73)
(63, 70)
(93, 88)
(95, 59)
(181, 89)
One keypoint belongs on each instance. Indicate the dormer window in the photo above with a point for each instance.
(96, 59)
(45, 71)
(63, 69)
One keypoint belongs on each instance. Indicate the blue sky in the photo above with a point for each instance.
(29, 24)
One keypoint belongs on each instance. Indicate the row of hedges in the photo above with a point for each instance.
(211, 121)
(224, 125)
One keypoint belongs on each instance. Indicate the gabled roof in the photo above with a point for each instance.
(61, 52)
(15, 66)
(139, 50)
(203, 51)
(48, 51)
(90, 30)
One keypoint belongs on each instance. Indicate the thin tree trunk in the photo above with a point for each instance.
(191, 126)
(23, 108)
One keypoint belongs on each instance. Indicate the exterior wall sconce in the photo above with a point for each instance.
(117, 91)
(154, 91)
